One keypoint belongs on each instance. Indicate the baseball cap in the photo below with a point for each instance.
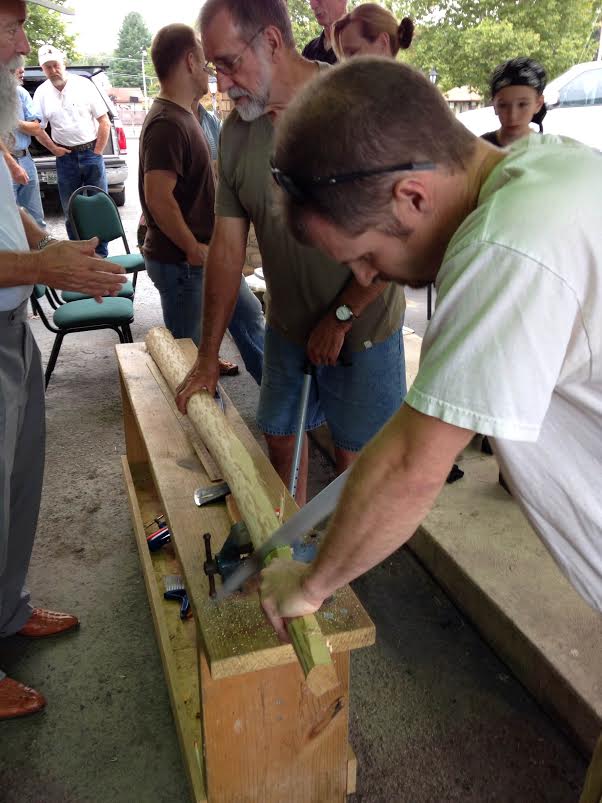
(53, 6)
(49, 53)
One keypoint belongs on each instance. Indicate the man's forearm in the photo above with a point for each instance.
(43, 138)
(220, 291)
(18, 268)
(393, 485)
(169, 219)
(30, 127)
(33, 232)
(359, 298)
(102, 135)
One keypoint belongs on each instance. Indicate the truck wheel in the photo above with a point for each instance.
(119, 197)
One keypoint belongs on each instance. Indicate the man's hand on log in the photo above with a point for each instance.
(283, 594)
(202, 376)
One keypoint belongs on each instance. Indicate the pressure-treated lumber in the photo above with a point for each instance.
(256, 509)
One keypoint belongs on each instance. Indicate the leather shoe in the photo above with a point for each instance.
(47, 623)
(17, 700)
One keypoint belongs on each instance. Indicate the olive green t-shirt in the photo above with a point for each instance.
(302, 283)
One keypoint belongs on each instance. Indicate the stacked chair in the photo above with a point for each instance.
(92, 213)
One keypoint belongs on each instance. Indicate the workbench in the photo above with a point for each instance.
(249, 728)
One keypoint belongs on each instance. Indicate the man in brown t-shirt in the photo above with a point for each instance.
(177, 193)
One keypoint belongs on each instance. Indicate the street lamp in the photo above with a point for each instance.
(433, 75)
(144, 81)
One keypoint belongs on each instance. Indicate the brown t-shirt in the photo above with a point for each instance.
(172, 139)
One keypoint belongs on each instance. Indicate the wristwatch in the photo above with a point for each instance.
(47, 240)
(344, 313)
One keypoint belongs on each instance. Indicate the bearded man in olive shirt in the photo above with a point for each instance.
(177, 194)
(315, 308)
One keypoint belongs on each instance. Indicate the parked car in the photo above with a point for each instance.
(574, 102)
(114, 153)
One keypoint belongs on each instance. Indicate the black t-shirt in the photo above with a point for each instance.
(491, 136)
(316, 51)
(171, 139)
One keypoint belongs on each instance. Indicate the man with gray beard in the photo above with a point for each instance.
(316, 311)
(27, 256)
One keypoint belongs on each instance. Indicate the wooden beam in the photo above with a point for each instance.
(246, 485)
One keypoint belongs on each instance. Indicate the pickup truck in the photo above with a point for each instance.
(114, 153)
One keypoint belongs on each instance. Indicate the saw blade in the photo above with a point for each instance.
(304, 520)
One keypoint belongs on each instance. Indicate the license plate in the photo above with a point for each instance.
(47, 178)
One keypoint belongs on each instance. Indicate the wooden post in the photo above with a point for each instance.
(245, 483)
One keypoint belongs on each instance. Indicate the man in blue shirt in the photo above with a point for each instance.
(25, 181)
(27, 193)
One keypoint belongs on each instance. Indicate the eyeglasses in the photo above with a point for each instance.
(300, 188)
(229, 66)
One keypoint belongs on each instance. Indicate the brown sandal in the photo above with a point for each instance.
(227, 368)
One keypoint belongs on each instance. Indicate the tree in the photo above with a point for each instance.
(465, 39)
(134, 39)
(45, 27)
(305, 26)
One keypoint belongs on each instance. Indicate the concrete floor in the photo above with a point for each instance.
(435, 716)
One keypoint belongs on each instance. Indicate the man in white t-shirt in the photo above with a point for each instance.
(514, 348)
(27, 256)
(79, 123)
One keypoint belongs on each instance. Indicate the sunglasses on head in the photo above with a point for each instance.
(300, 188)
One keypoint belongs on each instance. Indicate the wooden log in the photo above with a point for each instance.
(246, 485)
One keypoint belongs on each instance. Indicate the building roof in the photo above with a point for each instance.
(124, 94)
(462, 93)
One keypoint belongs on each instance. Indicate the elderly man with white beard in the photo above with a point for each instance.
(27, 256)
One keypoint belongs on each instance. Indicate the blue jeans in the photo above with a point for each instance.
(181, 290)
(75, 170)
(355, 400)
(28, 195)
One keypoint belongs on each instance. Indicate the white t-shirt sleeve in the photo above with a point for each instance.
(38, 105)
(97, 105)
(494, 349)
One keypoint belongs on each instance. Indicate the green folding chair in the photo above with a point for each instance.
(93, 213)
(82, 316)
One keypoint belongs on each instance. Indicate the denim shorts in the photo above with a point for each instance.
(354, 400)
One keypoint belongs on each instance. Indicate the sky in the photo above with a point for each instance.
(97, 24)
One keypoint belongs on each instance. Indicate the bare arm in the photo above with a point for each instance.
(17, 173)
(227, 253)
(102, 135)
(34, 129)
(159, 186)
(392, 486)
(64, 265)
(327, 338)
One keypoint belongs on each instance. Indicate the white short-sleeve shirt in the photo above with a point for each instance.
(12, 238)
(73, 112)
(514, 348)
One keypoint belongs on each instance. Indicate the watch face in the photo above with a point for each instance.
(343, 313)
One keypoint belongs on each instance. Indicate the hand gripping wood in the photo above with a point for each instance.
(245, 483)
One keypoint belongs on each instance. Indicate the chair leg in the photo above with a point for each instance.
(134, 280)
(429, 302)
(127, 333)
(56, 347)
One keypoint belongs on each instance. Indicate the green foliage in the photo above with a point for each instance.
(126, 67)
(465, 39)
(45, 27)
(305, 26)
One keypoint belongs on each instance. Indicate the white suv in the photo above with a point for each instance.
(574, 102)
